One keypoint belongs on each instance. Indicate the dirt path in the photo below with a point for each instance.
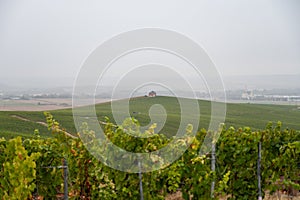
(41, 123)
(20, 118)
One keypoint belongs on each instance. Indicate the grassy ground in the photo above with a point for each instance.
(255, 116)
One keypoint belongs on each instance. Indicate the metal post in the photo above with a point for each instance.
(213, 168)
(258, 171)
(141, 183)
(65, 167)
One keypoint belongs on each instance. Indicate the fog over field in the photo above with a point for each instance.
(253, 44)
(233, 82)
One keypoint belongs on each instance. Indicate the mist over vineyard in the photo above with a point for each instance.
(154, 100)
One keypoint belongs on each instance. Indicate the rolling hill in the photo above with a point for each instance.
(255, 116)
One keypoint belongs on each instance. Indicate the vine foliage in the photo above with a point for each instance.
(28, 165)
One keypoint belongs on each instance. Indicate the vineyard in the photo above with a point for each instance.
(35, 168)
(255, 116)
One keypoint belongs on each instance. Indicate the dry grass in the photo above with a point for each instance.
(277, 196)
(40, 104)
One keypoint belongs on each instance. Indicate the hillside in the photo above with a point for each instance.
(256, 116)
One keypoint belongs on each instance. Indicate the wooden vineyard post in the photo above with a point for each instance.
(65, 168)
(259, 172)
(213, 167)
(141, 182)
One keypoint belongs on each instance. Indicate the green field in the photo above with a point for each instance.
(255, 116)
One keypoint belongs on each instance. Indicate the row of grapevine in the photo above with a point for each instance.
(28, 166)
(237, 152)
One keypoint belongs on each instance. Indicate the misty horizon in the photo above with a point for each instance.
(44, 45)
(233, 82)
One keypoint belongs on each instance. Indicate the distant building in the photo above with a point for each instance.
(152, 94)
(247, 95)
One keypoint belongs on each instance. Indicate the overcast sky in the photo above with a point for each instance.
(49, 40)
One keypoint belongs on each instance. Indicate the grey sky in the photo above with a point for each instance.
(49, 40)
